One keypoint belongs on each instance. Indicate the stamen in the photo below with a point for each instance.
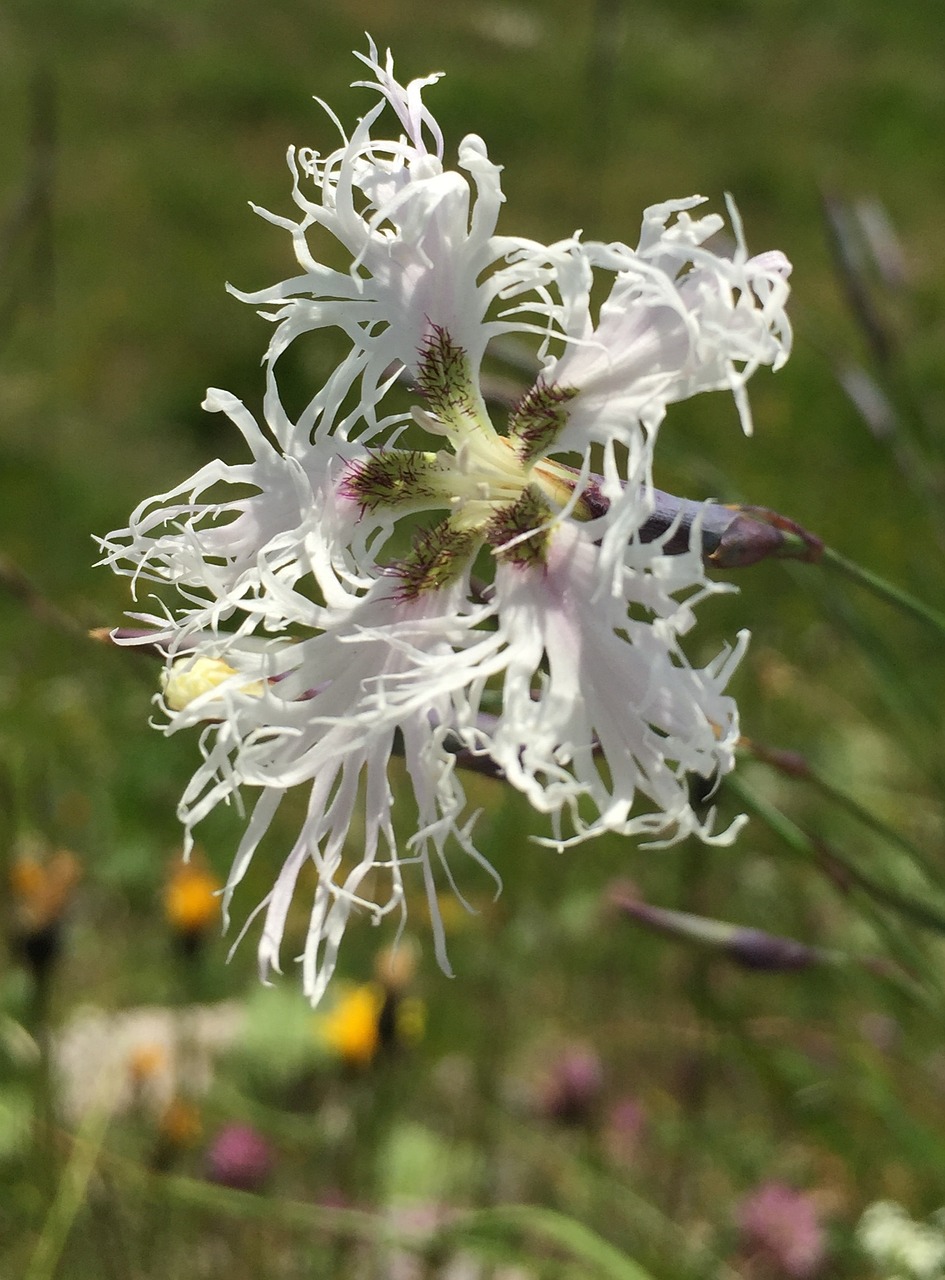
(539, 418)
(436, 559)
(530, 512)
(393, 478)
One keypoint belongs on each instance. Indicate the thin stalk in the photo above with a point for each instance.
(693, 1070)
(796, 766)
(884, 590)
(914, 716)
(924, 914)
(17, 584)
(70, 1197)
(477, 1229)
(660, 1236)
(818, 852)
(44, 1109)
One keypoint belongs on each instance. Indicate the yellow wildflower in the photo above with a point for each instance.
(352, 1028)
(191, 902)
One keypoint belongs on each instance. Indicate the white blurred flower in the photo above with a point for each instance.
(903, 1248)
(116, 1058)
(309, 637)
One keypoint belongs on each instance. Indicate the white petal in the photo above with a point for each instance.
(620, 712)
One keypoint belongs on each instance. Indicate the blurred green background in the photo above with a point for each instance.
(134, 135)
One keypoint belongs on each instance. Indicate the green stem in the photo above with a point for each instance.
(44, 1110)
(499, 1227)
(70, 1197)
(693, 1069)
(817, 852)
(793, 765)
(884, 590)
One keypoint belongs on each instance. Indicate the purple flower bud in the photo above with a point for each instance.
(754, 949)
(780, 1230)
(755, 534)
(239, 1157)
(574, 1086)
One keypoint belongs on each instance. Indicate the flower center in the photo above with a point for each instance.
(499, 490)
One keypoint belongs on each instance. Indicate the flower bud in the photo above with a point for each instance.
(239, 1157)
(574, 1086)
(41, 892)
(190, 678)
(780, 1231)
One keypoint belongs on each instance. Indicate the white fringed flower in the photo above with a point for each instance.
(310, 638)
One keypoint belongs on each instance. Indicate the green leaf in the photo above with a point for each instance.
(503, 1224)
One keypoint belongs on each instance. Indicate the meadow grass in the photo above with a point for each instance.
(597, 1092)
